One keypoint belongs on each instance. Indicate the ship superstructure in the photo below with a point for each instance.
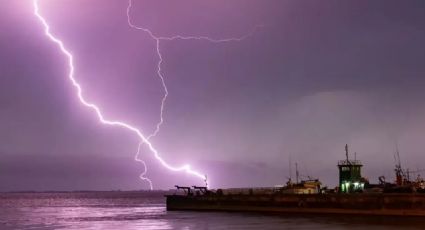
(350, 175)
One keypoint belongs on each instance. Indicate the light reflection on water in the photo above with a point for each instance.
(136, 210)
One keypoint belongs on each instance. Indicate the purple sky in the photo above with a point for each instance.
(320, 74)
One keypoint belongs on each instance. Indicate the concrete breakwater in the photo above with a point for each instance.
(361, 203)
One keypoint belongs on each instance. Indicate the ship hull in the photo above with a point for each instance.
(349, 204)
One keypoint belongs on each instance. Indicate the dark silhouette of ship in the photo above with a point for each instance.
(353, 195)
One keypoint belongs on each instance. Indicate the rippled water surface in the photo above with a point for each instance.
(146, 210)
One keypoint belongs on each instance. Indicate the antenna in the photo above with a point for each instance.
(398, 155)
(290, 167)
(206, 181)
(296, 171)
(346, 151)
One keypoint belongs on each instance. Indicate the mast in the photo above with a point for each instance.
(346, 152)
(296, 171)
(398, 170)
(398, 156)
(290, 167)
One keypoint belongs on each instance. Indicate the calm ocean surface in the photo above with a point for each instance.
(137, 210)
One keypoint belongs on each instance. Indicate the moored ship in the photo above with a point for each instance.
(353, 195)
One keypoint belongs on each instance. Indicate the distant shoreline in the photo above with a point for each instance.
(89, 191)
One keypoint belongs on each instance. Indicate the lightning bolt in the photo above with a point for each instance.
(157, 40)
(142, 176)
(181, 37)
(144, 140)
(176, 37)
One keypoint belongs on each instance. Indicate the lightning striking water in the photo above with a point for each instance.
(142, 176)
(144, 140)
(159, 71)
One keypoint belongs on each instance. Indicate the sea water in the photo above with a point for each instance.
(146, 210)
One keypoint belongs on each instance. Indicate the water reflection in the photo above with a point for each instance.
(121, 210)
